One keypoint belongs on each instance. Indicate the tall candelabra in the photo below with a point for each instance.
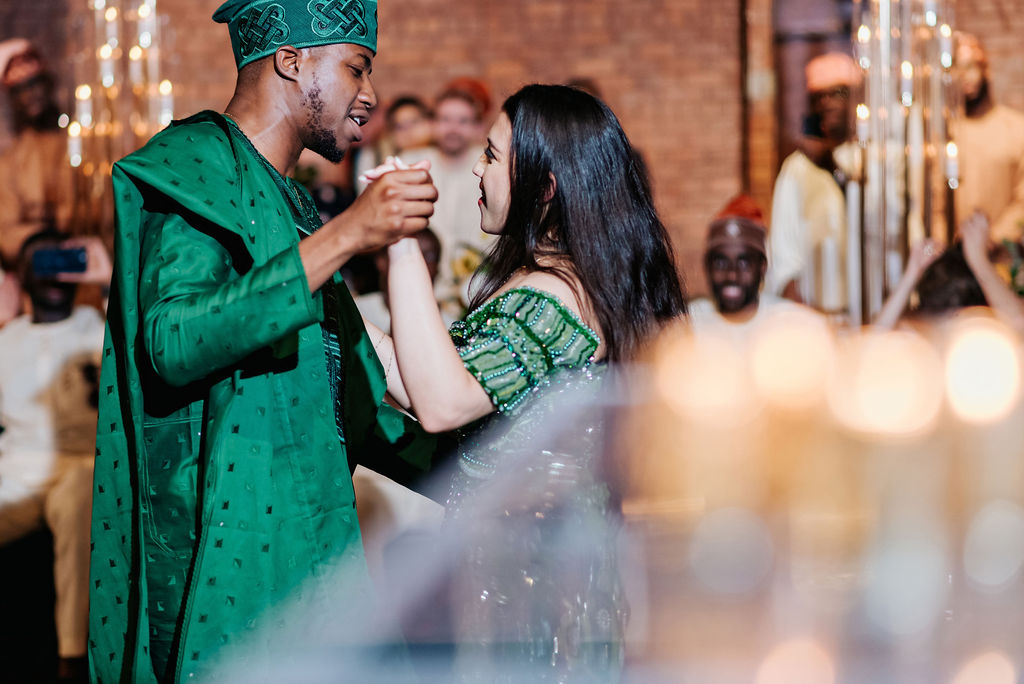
(908, 160)
(120, 98)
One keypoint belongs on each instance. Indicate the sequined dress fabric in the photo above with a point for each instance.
(536, 594)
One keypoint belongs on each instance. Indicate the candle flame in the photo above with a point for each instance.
(951, 150)
(165, 87)
(83, 92)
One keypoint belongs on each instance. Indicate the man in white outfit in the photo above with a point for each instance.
(808, 240)
(48, 364)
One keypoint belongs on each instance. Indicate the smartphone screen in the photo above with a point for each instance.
(50, 262)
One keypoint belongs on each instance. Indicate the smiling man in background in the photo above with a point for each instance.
(735, 261)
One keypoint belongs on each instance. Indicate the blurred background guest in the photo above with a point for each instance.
(459, 112)
(49, 360)
(735, 261)
(990, 138)
(808, 205)
(36, 185)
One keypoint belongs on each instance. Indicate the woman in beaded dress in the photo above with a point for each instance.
(581, 275)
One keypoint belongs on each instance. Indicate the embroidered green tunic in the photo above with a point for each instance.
(514, 345)
(222, 485)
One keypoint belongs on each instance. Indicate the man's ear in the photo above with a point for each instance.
(549, 192)
(287, 61)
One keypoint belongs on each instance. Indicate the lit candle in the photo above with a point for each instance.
(166, 102)
(863, 38)
(946, 46)
(863, 116)
(952, 165)
(831, 287)
(75, 143)
(135, 64)
(907, 83)
(106, 53)
(83, 105)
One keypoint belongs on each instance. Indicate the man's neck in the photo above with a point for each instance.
(46, 315)
(744, 315)
(269, 130)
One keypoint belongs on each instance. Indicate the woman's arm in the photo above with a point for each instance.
(922, 255)
(1007, 305)
(442, 393)
(384, 346)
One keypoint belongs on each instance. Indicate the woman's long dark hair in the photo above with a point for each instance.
(601, 218)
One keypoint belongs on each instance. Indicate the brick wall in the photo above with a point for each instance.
(999, 24)
(675, 89)
(669, 68)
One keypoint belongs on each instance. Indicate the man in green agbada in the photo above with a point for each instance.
(238, 382)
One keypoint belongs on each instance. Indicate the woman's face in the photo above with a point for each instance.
(495, 173)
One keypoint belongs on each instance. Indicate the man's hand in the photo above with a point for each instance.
(396, 204)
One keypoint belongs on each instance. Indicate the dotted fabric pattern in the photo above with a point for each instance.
(221, 486)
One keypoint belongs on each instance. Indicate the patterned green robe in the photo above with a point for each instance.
(221, 482)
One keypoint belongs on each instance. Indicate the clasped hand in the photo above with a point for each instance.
(398, 202)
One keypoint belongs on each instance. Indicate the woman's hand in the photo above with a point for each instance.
(922, 255)
(974, 232)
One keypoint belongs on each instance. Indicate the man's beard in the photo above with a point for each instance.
(731, 306)
(320, 139)
(973, 103)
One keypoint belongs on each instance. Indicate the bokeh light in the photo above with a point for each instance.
(703, 378)
(886, 385)
(982, 371)
(800, 661)
(731, 551)
(988, 668)
(907, 582)
(994, 547)
(789, 359)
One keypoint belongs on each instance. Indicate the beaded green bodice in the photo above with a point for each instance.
(515, 341)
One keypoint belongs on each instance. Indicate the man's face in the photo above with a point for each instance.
(410, 128)
(833, 107)
(734, 272)
(494, 169)
(337, 97)
(33, 98)
(457, 126)
(46, 292)
(970, 71)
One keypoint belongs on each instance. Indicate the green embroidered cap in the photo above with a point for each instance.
(259, 27)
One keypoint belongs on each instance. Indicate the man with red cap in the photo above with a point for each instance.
(35, 177)
(808, 206)
(735, 261)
